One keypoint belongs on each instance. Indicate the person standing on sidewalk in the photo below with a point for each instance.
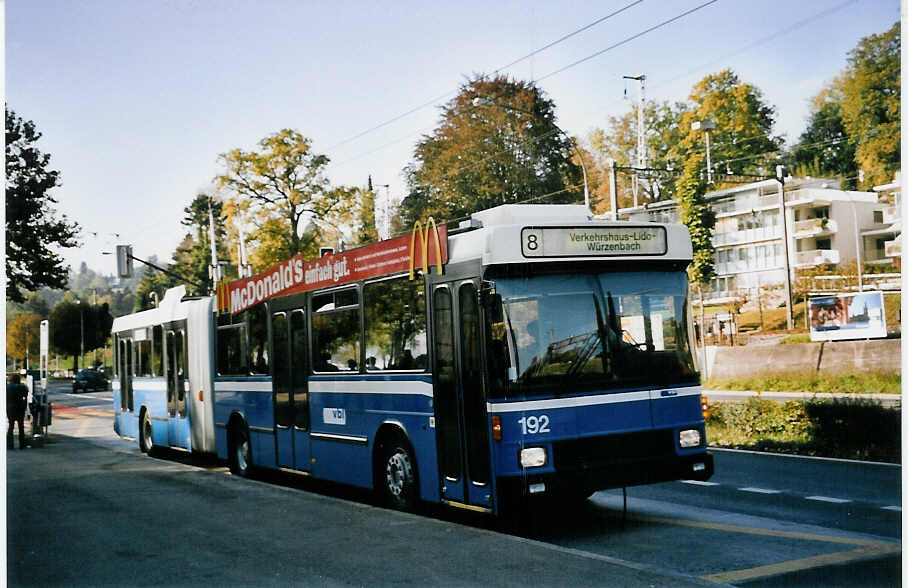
(16, 400)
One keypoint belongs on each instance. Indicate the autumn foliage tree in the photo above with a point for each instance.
(871, 104)
(23, 336)
(742, 141)
(280, 191)
(497, 143)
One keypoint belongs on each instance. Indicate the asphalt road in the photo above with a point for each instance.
(761, 520)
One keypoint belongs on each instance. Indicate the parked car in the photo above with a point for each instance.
(89, 379)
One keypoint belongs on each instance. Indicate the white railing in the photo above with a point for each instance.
(816, 257)
(814, 226)
(891, 214)
(893, 248)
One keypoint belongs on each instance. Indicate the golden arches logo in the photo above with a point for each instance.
(430, 229)
(223, 296)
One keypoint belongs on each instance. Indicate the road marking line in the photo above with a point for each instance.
(828, 499)
(769, 532)
(802, 564)
(895, 508)
(760, 490)
(865, 548)
(699, 483)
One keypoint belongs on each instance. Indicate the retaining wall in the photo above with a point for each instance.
(830, 356)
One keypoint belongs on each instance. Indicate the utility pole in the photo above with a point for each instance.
(641, 131)
(612, 187)
(780, 176)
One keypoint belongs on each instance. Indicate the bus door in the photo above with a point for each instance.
(291, 390)
(460, 398)
(177, 383)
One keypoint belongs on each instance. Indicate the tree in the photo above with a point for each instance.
(824, 148)
(23, 336)
(742, 140)
(32, 229)
(279, 191)
(79, 326)
(663, 133)
(192, 258)
(699, 218)
(871, 111)
(366, 230)
(497, 143)
(155, 282)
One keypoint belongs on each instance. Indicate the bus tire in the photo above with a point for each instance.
(398, 477)
(146, 438)
(240, 448)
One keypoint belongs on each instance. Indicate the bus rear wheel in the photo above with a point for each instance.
(240, 452)
(146, 440)
(399, 477)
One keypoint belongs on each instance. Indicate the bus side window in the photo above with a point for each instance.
(258, 340)
(157, 351)
(128, 372)
(336, 332)
(395, 320)
(180, 353)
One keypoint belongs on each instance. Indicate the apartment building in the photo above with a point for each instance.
(884, 244)
(825, 226)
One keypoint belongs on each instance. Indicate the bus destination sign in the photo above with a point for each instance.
(593, 241)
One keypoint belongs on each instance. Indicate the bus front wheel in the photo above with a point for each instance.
(399, 477)
(240, 452)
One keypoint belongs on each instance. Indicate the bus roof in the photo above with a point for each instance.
(538, 233)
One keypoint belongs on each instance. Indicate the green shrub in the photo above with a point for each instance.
(859, 428)
(869, 382)
(849, 428)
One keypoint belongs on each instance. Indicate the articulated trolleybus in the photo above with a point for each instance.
(537, 352)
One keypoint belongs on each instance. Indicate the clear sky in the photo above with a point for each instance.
(136, 99)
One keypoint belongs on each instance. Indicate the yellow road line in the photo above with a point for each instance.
(796, 565)
(867, 548)
(768, 532)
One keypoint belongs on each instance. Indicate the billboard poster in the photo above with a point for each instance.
(847, 316)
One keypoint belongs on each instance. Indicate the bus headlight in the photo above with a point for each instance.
(689, 438)
(532, 457)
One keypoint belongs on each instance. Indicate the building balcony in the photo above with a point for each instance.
(894, 248)
(816, 257)
(747, 236)
(891, 214)
(806, 198)
(813, 227)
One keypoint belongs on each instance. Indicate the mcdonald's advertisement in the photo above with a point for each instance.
(847, 316)
(425, 246)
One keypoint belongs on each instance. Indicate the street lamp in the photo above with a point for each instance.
(780, 177)
(706, 125)
(586, 189)
(81, 334)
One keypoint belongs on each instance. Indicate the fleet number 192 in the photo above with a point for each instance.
(533, 425)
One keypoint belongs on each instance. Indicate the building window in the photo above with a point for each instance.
(824, 244)
(878, 217)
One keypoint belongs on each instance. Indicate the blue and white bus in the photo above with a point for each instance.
(162, 382)
(539, 352)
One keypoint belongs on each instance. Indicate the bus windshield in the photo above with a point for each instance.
(563, 333)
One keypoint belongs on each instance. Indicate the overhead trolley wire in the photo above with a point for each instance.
(550, 74)
(437, 99)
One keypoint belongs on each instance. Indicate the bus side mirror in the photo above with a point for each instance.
(491, 301)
